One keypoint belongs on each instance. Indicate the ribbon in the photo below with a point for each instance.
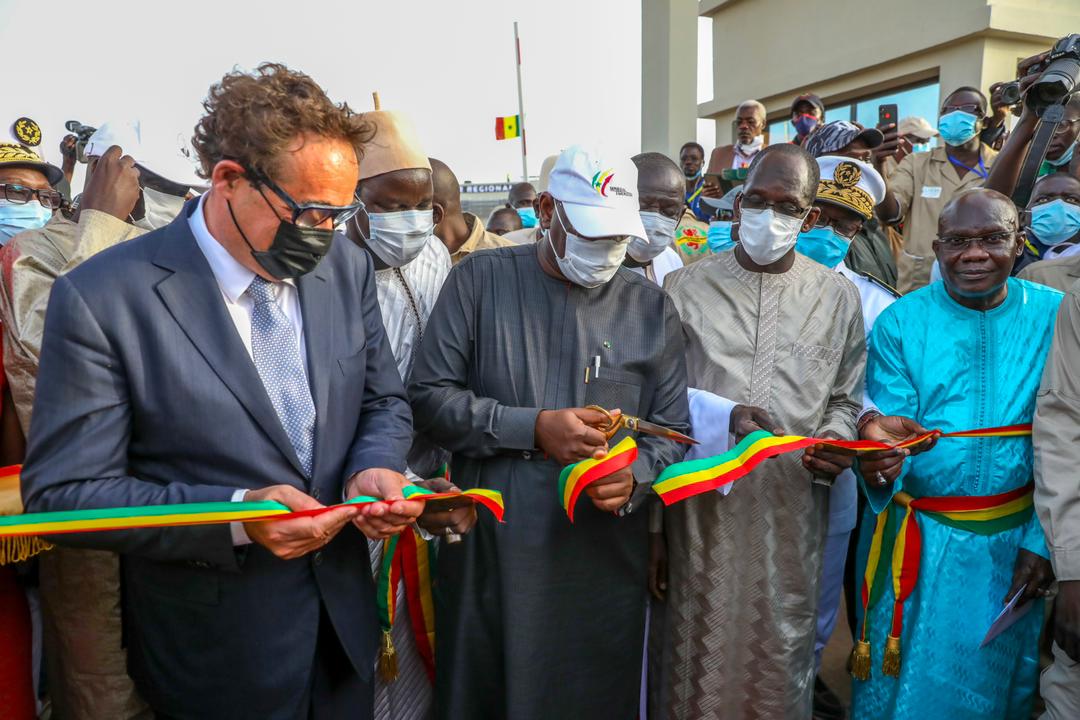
(31, 525)
(693, 477)
(575, 478)
(982, 515)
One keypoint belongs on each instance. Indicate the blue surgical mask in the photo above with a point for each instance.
(1055, 222)
(528, 216)
(957, 127)
(1065, 157)
(823, 245)
(719, 236)
(920, 147)
(14, 218)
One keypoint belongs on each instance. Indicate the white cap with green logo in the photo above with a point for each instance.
(599, 195)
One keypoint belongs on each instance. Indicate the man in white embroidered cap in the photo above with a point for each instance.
(538, 618)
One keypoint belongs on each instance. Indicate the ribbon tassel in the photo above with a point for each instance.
(890, 663)
(860, 661)
(388, 669)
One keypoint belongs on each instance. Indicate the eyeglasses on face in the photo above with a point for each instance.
(994, 242)
(750, 202)
(20, 195)
(311, 214)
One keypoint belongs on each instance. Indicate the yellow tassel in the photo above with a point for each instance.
(860, 661)
(17, 549)
(890, 664)
(387, 659)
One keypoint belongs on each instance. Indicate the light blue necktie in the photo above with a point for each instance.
(276, 352)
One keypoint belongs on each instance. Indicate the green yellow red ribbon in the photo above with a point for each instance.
(32, 525)
(693, 477)
(575, 478)
(983, 515)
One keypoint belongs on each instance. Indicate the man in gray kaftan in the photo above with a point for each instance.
(774, 330)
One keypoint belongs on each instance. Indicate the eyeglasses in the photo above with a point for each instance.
(992, 243)
(784, 208)
(20, 195)
(1065, 125)
(311, 214)
(844, 228)
(972, 108)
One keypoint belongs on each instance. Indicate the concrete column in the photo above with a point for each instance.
(668, 74)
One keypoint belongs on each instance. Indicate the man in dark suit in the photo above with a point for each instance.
(237, 353)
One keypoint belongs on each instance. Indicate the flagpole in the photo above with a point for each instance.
(521, 107)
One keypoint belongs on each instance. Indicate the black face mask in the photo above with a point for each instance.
(295, 251)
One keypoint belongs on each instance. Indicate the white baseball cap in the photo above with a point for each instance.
(599, 196)
(169, 156)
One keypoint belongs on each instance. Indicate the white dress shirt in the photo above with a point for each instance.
(233, 280)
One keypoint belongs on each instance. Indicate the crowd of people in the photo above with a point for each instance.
(298, 308)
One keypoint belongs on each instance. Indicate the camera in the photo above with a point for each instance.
(1060, 75)
(82, 135)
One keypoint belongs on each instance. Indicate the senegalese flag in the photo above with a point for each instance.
(507, 128)
(575, 478)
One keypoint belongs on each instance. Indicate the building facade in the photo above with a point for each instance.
(854, 55)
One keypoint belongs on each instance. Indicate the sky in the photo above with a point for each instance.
(448, 65)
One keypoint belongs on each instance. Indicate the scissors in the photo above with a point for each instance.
(636, 424)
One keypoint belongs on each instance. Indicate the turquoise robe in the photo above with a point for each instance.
(953, 368)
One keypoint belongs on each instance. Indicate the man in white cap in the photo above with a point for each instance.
(539, 618)
(783, 336)
(130, 189)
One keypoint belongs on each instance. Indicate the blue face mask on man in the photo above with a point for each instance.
(823, 245)
(528, 216)
(957, 127)
(719, 236)
(1055, 222)
(16, 217)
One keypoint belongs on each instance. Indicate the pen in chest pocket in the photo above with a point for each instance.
(592, 369)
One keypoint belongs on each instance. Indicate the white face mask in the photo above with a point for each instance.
(766, 235)
(588, 263)
(659, 231)
(161, 209)
(398, 237)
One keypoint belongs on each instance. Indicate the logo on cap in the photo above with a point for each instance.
(27, 132)
(600, 181)
(847, 174)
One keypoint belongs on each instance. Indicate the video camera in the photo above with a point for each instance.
(82, 135)
(1060, 76)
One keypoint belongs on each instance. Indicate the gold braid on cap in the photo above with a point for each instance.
(10, 153)
(843, 190)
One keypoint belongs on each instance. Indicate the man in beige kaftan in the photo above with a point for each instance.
(773, 330)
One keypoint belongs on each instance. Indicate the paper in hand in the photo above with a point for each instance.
(1007, 617)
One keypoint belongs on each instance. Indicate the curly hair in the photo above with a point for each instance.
(253, 118)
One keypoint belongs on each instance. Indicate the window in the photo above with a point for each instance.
(921, 101)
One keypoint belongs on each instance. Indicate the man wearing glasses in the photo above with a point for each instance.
(924, 183)
(27, 198)
(236, 354)
(782, 335)
(964, 353)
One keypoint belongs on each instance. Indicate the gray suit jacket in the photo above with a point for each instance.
(146, 395)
